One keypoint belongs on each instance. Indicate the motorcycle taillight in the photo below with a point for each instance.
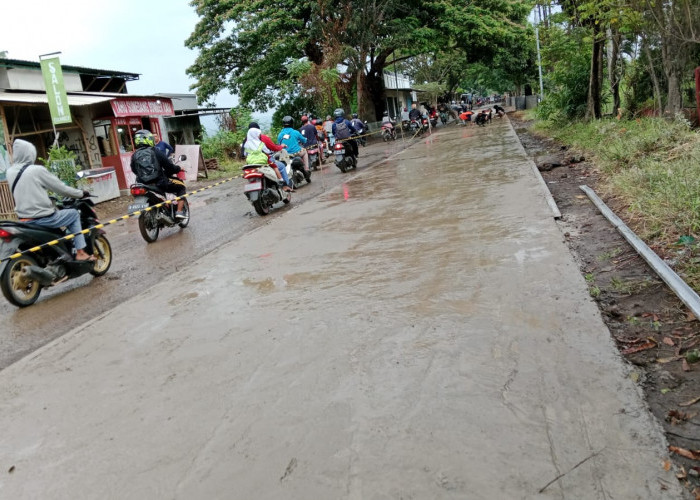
(5, 235)
(338, 145)
(137, 191)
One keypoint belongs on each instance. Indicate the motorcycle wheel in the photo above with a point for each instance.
(148, 225)
(261, 207)
(385, 137)
(342, 167)
(17, 289)
(103, 252)
(185, 208)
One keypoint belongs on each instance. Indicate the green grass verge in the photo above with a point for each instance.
(227, 168)
(651, 166)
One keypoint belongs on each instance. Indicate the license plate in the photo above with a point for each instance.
(339, 151)
(139, 203)
(252, 186)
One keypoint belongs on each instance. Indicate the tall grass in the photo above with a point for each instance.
(651, 166)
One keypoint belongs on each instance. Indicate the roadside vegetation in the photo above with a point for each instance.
(651, 169)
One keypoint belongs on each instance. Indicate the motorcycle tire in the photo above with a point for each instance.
(148, 225)
(342, 167)
(103, 252)
(307, 176)
(19, 291)
(185, 208)
(261, 207)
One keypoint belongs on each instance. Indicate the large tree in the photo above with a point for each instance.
(247, 46)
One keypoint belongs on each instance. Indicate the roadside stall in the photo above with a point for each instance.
(114, 134)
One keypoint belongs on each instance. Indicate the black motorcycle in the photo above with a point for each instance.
(22, 278)
(153, 220)
(344, 157)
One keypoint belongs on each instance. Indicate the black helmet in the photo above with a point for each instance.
(287, 121)
(339, 113)
(354, 115)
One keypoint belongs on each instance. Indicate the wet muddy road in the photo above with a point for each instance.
(420, 331)
(218, 216)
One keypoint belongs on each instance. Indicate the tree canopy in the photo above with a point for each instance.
(271, 51)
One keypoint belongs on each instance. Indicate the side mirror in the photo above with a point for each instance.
(182, 157)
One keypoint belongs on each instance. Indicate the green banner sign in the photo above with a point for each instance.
(56, 91)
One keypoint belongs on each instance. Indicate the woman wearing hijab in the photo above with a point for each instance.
(259, 147)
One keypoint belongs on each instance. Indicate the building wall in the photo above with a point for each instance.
(32, 79)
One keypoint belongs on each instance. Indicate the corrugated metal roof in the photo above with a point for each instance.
(9, 63)
(73, 100)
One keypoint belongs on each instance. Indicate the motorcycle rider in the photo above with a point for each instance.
(358, 124)
(294, 141)
(309, 131)
(328, 129)
(30, 184)
(343, 130)
(145, 141)
(388, 123)
(259, 147)
(415, 113)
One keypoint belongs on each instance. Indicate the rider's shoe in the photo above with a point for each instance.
(180, 215)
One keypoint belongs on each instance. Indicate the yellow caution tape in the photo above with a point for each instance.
(114, 221)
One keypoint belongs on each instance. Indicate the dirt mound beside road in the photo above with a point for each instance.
(651, 327)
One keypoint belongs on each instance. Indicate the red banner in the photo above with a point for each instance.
(142, 106)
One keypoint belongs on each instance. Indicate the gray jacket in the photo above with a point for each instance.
(31, 198)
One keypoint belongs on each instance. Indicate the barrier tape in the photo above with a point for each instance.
(114, 221)
(136, 213)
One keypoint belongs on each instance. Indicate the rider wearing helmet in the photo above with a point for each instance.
(343, 130)
(145, 141)
(357, 124)
(294, 141)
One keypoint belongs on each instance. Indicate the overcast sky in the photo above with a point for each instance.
(146, 37)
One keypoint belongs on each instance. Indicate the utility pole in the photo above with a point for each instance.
(539, 59)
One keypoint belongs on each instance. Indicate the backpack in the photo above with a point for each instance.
(341, 130)
(145, 165)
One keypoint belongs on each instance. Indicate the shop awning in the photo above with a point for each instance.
(31, 98)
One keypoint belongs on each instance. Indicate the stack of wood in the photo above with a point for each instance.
(211, 164)
(7, 203)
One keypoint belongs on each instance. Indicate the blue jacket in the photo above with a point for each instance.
(292, 138)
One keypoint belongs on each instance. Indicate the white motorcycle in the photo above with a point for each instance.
(263, 189)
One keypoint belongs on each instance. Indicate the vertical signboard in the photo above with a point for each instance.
(55, 91)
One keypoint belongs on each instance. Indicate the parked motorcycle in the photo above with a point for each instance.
(263, 189)
(152, 221)
(424, 123)
(22, 278)
(344, 160)
(444, 116)
(406, 125)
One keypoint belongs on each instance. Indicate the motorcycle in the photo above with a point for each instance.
(316, 158)
(416, 127)
(263, 189)
(294, 167)
(424, 123)
(443, 117)
(22, 278)
(344, 161)
(406, 125)
(388, 133)
(153, 220)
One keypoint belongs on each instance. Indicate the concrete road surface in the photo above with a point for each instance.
(218, 217)
(420, 332)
